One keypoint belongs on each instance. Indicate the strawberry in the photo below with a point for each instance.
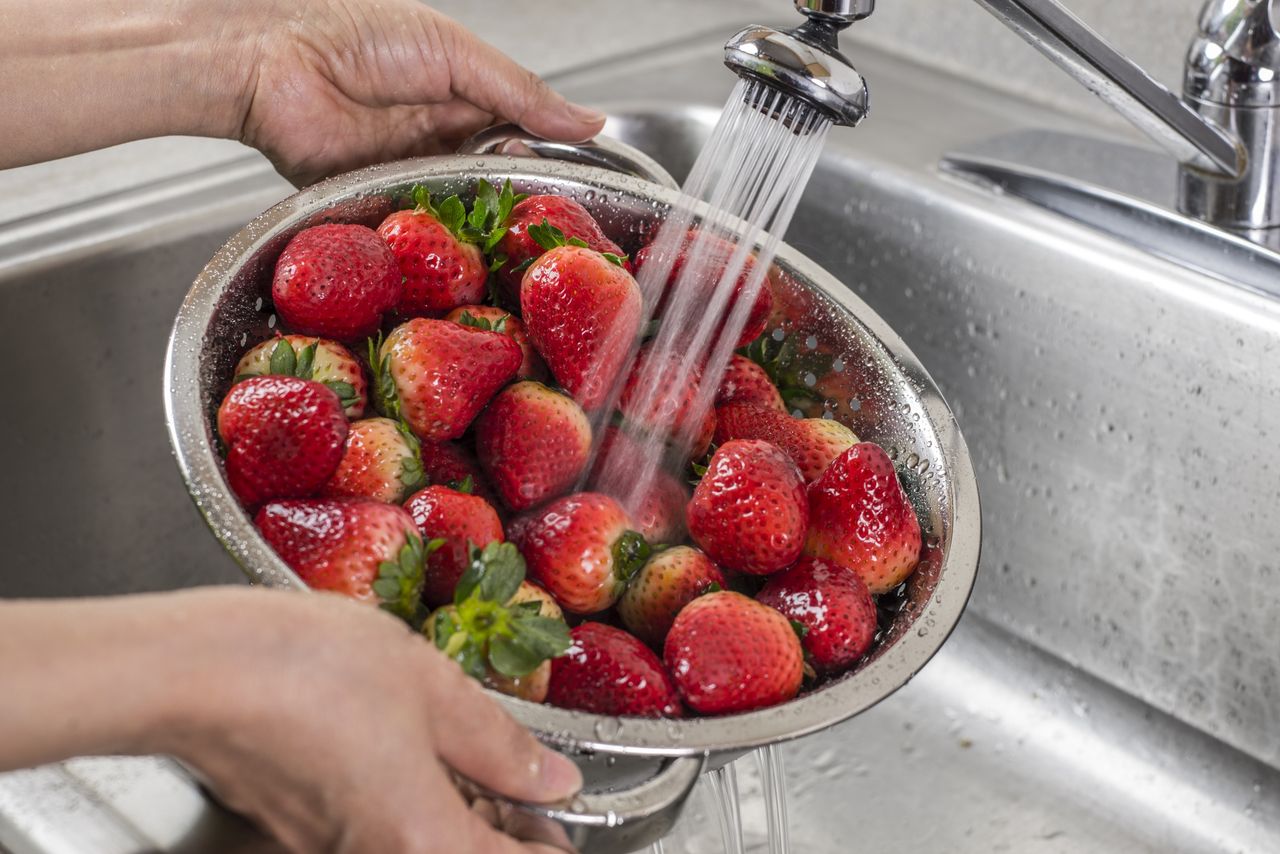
(497, 637)
(582, 550)
(728, 653)
(364, 549)
(746, 382)
(582, 313)
(714, 253)
(438, 375)
(670, 579)
(608, 672)
(812, 442)
(450, 464)
(520, 249)
(335, 281)
(533, 443)
(659, 515)
(380, 462)
(749, 511)
(860, 518)
(460, 520)
(547, 604)
(499, 320)
(440, 248)
(284, 437)
(651, 405)
(833, 607)
(326, 362)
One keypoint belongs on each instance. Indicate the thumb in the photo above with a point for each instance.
(484, 76)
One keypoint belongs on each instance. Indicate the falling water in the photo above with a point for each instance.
(773, 787)
(754, 167)
(724, 788)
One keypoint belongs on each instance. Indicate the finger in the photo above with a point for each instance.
(486, 840)
(487, 78)
(479, 740)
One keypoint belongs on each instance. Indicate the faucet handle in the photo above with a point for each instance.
(845, 11)
(1235, 59)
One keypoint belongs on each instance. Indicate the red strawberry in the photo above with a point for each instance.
(461, 520)
(284, 437)
(380, 462)
(499, 320)
(521, 249)
(744, 381)
(367, 550)
(671, 579)
(450, 464)
(436, 248)
(582, 313)
(812, 442)
(335, 281)
(583, 550)
(728, 653)
(652, 405)
(438, 375)
(660, 514)
(834, 607)
(716, 254)
(861, 518)
(608, 672)
(326, 362)
(749, 511)
(533, 443)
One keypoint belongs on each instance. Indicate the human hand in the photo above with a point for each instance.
(337, 84)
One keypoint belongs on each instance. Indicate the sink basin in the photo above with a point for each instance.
(1115, 684)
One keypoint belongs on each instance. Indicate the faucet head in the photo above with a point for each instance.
(843, 10)
(1235, 59)
(804, 63)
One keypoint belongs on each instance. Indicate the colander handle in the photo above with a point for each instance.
(620, 820)
(603, 151)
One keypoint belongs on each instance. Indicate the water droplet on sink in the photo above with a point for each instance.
(608, 728)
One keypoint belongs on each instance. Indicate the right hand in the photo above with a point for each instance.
(332, 726)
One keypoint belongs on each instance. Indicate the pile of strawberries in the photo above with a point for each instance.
(434, 473)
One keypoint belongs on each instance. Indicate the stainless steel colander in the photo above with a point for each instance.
(875, 386)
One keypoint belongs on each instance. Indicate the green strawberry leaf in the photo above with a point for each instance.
(506, 201)
(498, 260)
(532, 606)
(493, 576)
(578, 242)
(345, 391)
(466, 485)
(386, 397)
(422, 200)
(713, 587)
(546, 235)
(546, 636)
(305, 367)
(469, 319)
(452, 214)
(472, 659)
(799, 628)
(501, 324)
(630, 552)
(399, 582)
(616, 260)
(523, 265)
(239, 378)
(788, 364)
(487, 200)
(283, 360)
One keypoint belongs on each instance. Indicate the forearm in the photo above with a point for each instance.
(76, 75)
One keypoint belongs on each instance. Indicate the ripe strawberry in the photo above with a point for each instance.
(582, 550)
(582, 313)
(450, 464)
(833, 606)
(671, 579)
(326, 362)
(533, 443)
(714, 253)
(608, 672)
(749, 511)
(650, 404)
(495, 635)
(438, 375)
(364, 549)
(440, 248)
(812, 442)
(728, 653)
(499, 320)
(861, 519)
(659, 515)
(460, 520)
(746, 382)
(335, 281)
(284, 437)
(520, 248)
(380, 462)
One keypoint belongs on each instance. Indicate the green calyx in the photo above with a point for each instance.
(386, 398)
(399, 582)
(486, 222)
(698, 468)
(469, 319)
(630, 552)
(467, 485)
(483, 631)
(412, 474)
(549, 237)
(287, 362)
(787, 365)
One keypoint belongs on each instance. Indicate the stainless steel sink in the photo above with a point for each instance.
(1115, 685)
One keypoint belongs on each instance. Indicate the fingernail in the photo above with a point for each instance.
(586, 115)
(558, 777)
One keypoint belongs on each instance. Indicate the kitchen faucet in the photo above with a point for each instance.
(1224, 130)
